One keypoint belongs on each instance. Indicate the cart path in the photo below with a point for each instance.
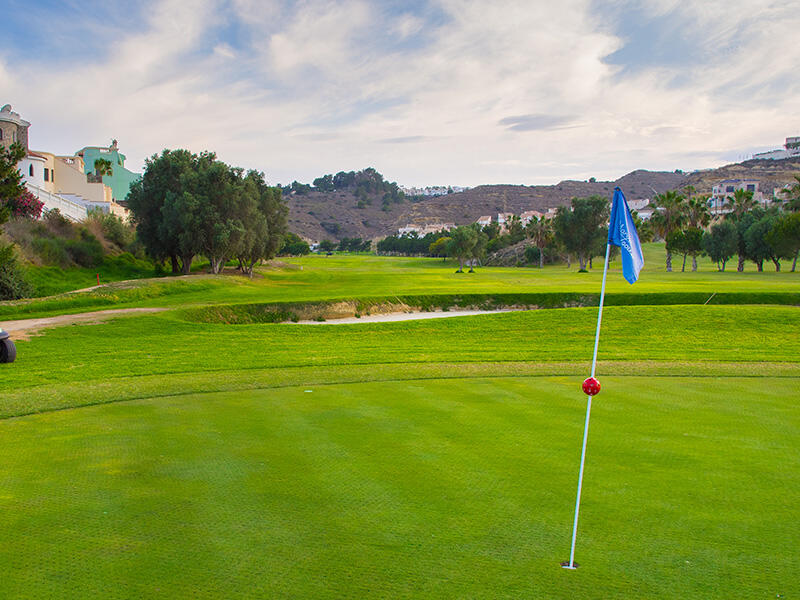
(23, 328)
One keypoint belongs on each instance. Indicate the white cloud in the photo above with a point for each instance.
(320, 86)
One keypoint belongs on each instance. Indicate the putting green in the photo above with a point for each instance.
(435, 488)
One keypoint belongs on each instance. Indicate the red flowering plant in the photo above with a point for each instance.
(26, 206)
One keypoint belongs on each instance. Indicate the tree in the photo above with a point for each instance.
(462, 244)
(581, 229)
(668, 217)
(757, 247)
(11, 185)
(696, 210)
(327, 246)
(188, 204)
(540, 232)
(785, 237)
(162, 184)
(102, 166)
(294, 245)
(479, 249)
(263, 215)
(721, 243)
(686, 242)
(792, 195)
(741, 205)
(12, 281)
(439, 247)
(516, 232)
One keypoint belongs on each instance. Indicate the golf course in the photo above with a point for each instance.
(216, 446)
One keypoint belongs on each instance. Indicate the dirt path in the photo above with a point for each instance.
(413, 316)
(23, 328)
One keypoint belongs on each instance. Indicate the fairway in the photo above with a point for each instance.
(439, 489)
(183, 453)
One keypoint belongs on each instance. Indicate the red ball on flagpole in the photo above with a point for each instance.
(591, 387)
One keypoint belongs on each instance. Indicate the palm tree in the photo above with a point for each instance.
(102, 167)
(668, 217)
(697, 213)
(793, 196)
(740, 204)
(540, 231)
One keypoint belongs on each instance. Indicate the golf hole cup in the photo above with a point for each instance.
(591, 387)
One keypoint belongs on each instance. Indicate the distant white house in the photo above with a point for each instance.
(425, 229)
(723, 191)
(484, 221)
(529, 215)
(790, 149)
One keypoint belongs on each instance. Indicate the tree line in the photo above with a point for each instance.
(187, 204)
(367, 185)
(579, 232)
(746, 230)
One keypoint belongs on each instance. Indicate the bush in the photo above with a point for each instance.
(51, 251)
(112, 228)
(532, 254)
(13, 284)
(26, 206)
(86, 251)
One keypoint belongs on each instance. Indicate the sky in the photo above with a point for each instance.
(439, 92)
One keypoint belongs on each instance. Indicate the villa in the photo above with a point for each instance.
(66, 182)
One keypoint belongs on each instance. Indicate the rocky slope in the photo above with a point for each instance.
(333, 215)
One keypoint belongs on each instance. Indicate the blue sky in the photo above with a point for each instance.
(428, 92)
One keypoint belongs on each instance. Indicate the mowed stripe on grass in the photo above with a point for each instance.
(440, 488)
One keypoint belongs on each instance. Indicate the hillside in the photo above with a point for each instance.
(318, 215)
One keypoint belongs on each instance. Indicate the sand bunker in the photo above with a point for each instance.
(405, 316)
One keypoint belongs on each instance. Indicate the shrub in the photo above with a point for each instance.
(51, 251)
(26, 206)
(86, 251)
(13, 284)
(112, 228)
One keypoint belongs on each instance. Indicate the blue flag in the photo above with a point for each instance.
(622, 233)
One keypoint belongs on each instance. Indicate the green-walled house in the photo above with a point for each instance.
(120, 178)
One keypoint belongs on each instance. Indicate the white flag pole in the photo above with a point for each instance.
(571, 564)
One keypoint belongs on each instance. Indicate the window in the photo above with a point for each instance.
(30, 170)
(751, 187)
(729, 189)
(46, 174)
(1, 134)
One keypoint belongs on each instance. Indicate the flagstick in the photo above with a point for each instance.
(571, 564)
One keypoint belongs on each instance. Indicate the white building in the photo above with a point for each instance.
(722, 193)
(529, 215)
(58, 181)
(790, 149)
(423, 230)
(484, 221)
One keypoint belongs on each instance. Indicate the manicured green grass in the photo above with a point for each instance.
(435, 489)
(431, 459)
(164, 344)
